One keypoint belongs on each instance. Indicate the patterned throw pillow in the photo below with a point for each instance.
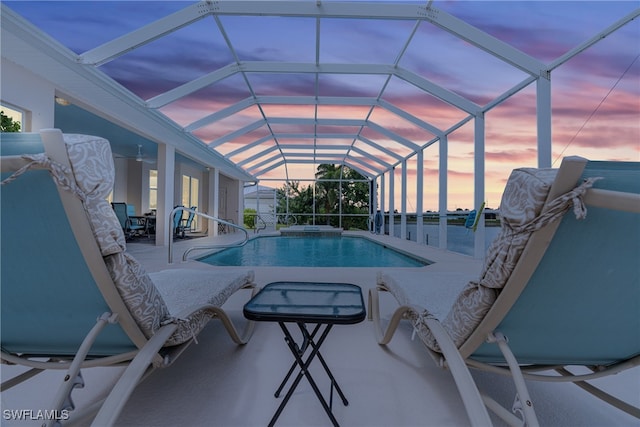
(94, 173)
(522, 201)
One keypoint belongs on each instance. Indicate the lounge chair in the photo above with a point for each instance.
(555, 292)
(70, 267)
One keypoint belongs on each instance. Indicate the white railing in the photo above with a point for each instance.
(205, 247)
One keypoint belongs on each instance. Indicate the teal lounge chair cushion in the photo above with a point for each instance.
(91, 178)
(93, 171)
(521, 214)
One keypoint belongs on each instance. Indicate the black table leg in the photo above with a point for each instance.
(301, 351)
(298, 352)
(334, 383)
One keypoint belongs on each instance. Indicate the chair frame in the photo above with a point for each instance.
(458, 360)
(133, 225)
(148, 354)
(180, 224)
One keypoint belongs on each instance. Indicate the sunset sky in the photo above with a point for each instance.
(595, 96)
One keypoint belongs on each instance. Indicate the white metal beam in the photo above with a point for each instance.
(231, 136)
(368, 173)
(439, 92)
(146, 34)
(388, 11)
(376, 171)
(307, 135)
(593, 40)
(379, 147)
(192, 86)
(394, 136)
(246, 147)
(264, 162)
(260, 172)
(370, 157)
(316, 100)
(221, 114)
(410, 118)
(258, 155)
(89, 88)
(317, 147)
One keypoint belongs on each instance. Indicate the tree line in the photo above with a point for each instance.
(336, 187)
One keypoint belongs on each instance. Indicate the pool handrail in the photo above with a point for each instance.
(194, 248)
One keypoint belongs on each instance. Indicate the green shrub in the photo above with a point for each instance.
(250, 218)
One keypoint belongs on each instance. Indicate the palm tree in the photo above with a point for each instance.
(300, 200)
(335, 185)
(328, 194)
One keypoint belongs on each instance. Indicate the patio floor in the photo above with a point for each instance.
(219, 383)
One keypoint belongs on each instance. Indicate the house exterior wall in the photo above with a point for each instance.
(29, 93)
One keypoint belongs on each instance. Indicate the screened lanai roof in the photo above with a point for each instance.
(277, 87)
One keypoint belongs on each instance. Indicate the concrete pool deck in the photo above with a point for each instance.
(217, 383)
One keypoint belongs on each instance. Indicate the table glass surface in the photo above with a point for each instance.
(337, 303)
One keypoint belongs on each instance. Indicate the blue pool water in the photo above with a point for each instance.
(312, 252)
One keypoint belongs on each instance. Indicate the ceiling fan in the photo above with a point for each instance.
(138, 157)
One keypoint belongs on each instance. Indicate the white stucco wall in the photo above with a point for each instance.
(24, 90)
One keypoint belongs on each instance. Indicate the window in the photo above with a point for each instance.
(153, 189)
(190, 189)
(15, 116)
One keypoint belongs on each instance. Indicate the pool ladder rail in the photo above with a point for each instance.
(207, 247)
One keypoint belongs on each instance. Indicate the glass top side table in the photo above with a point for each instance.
(305, 304)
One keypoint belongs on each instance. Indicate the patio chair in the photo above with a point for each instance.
(186, 226)
(181, 224)
(70, 267)
(131, 224)
(555, 292)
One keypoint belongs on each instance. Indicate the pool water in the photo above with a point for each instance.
(312, 252)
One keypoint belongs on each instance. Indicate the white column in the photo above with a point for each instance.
(419, 191)
(122, 177)
(479, 179)
(257, 197)
(543, 107)
(403, 202)
(442, 191)
(212, 226)
(373, 201)
(391, 202)
(382, 201)
(240, 205)
(166, 186)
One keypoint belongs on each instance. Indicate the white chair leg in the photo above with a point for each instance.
(526, 404)
(473, 403)
(62, 400)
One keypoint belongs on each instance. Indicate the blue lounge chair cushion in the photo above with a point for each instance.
(92, 166)
(521, 214)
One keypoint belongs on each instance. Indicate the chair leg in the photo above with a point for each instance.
(474, 405)
(383, 336)
(62, 400)
(602, 395)
(237, 337)
(524, 403)
(131, 376)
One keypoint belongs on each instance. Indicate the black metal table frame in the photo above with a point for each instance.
(298, 353)
(315, 328)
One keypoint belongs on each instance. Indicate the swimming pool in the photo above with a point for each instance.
(289, 251)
